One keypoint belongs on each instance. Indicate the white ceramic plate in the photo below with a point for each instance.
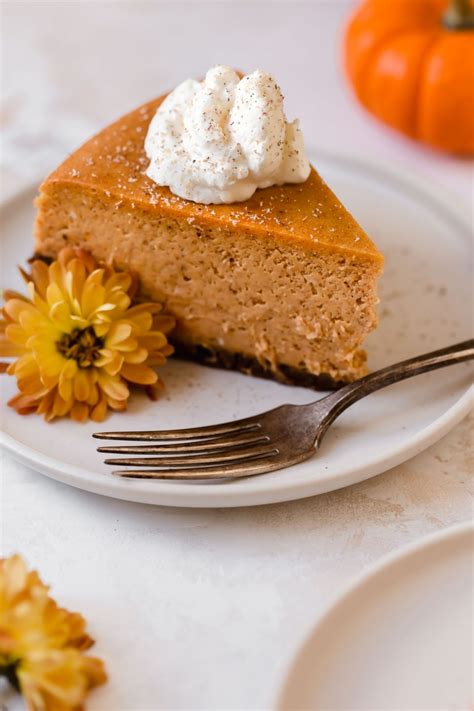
(400, 639)
(425, 305)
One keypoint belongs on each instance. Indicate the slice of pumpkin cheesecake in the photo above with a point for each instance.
(280, 285)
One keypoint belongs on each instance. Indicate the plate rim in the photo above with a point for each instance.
(217, 495)
(178, 498)
(355, 585)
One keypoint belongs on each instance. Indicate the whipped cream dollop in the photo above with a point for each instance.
(218, 140)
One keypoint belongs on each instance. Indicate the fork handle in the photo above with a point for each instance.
(340, 400)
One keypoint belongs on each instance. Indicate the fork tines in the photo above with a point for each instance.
(232, 450)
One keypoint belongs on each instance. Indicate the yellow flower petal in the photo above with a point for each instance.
(16, 307)
(16, 334)
(92, 297)
(149, 307)
(54, 294)
(105, 356)
(55, 273)
(40, 277)
(141, 321)
(163, 323)
(93, 398)
(79, 411)
(154, 340)
(60, 406)
(128, 345)
(141, 374)
(118, 332)
(120, 301)
(108, 306)
(113, 386)
(69, 369)
(23, 404)
(81, 385)
(118, 282)
(60, 315)
(26, 365)
(139, 355)
(102, 328)
(99, 411)
(8, 349)
(77, 271)
(45, 405)
(66, 388)
(114, 363)
(52, 366)
(156, 359)
(118, 405)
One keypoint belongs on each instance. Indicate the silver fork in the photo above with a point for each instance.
(272, 440)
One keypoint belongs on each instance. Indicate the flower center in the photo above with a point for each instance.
(82, 345)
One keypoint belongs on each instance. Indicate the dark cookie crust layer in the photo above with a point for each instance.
(251, 366)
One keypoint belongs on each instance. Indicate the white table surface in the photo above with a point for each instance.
(203, 609)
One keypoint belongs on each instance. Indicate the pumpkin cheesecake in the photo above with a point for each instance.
(281, 284)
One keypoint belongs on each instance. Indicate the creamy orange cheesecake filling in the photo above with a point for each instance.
(282, 284)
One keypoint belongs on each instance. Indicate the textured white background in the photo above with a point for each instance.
(203, 609)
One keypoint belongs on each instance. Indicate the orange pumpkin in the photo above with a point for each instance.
(411, 63)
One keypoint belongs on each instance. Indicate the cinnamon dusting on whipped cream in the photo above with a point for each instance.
(219, 140)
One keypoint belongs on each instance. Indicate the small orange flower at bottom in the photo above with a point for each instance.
(42, 645)
(78, 339)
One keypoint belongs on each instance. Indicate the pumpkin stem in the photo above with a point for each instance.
(459, 15)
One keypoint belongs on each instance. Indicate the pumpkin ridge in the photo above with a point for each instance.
(371, 58)
(421, 78)
(364, 20)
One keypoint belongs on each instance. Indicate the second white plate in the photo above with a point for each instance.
(425, 304)
(400, 639)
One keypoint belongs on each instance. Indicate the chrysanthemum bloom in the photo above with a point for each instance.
(42, 645)
(78, 339)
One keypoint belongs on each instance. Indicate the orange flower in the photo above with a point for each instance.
(42, 645)
(79, 341)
